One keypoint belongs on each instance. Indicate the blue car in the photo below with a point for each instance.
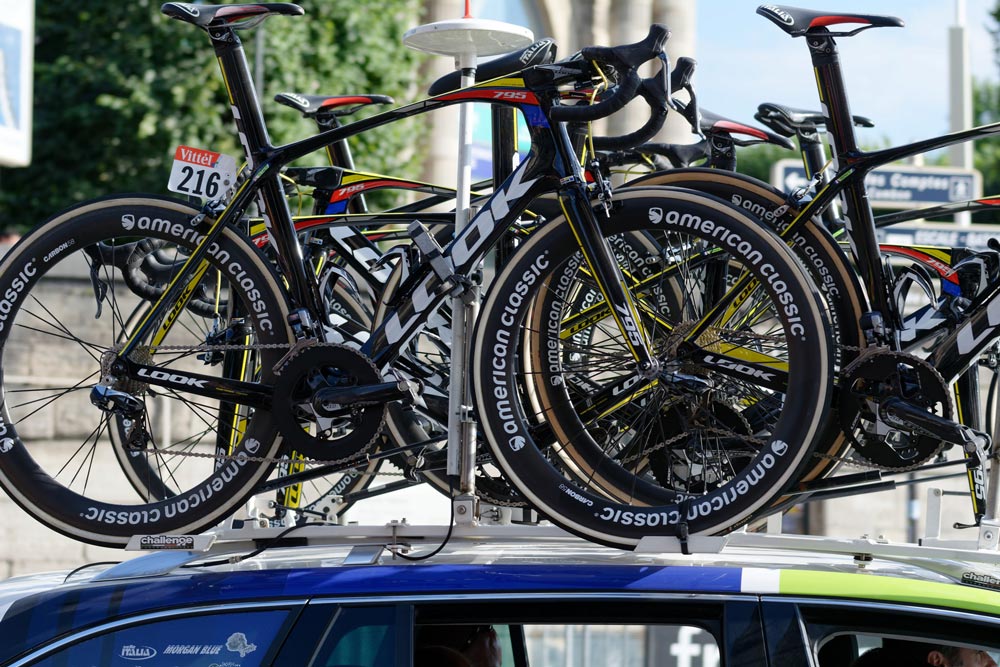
(337, 597)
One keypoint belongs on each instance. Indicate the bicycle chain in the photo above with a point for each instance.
(863, 354)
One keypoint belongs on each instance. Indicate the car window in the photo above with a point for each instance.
(242, 638)
(612, 645)
(565, 645)
(359, 637)
(887, 650)
(870, 633)
(599, 632)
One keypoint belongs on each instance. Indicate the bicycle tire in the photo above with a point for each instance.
(602, 499)
(822, 256)
(38, 278)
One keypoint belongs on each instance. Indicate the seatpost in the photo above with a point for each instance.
(844, 148)
(253, 134)
(339, 153)
(814, 160)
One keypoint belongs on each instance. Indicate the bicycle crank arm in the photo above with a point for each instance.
(904, 415)
(332, 402)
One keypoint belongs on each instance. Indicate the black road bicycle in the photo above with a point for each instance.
(898, 409)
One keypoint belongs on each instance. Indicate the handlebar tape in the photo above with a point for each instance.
(624, 59)
(654, 91)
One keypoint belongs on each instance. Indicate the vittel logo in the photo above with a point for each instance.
(781, 14)
(133, 652)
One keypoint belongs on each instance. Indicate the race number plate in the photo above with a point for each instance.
(201, 173)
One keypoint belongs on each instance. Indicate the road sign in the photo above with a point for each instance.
(897, 186)
(17, 39)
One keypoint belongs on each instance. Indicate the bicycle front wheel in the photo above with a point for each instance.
(723, 427)
(176, 460)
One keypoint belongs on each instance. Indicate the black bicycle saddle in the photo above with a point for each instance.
(311, 105)
(713, 123)
(217, 16)
(798, 22)
(787, 120)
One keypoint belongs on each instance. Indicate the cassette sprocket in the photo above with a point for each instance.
(708, 440)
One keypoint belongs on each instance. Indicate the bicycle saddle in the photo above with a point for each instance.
(218, 16)
(788, 121)
(312, 105)
(712, 123)
(797, 22)
(541, 52)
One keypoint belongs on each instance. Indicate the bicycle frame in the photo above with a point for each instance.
(960, 349)
(551, 166)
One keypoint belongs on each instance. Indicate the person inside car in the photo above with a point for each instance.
(457, 646)
(919, 654)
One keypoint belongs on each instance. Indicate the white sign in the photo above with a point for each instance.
(17, 53)
(201, 173)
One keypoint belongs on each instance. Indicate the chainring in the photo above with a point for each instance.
(309, 370)
(881, 375)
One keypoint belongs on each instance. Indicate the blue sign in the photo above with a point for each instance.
(897, 187)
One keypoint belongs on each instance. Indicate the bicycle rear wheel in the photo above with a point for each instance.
(723, 428)
(179, 461)
(818, 251)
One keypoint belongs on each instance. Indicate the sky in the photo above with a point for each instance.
(898, 77)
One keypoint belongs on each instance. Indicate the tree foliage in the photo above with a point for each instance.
(118, 86)
(757, 161)
(986, 155)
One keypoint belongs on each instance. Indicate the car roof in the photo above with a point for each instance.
(249, 568)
